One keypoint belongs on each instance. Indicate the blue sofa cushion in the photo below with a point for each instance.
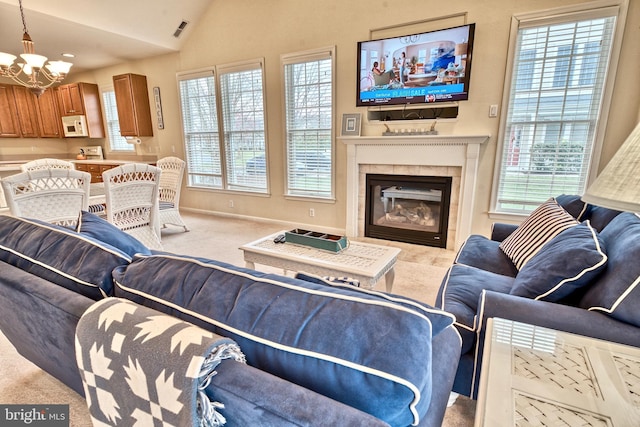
(320, 337)
(60, 255)
(543, 224)
(600, 216)
(574, 205)
(101, 229)
(617, 291)
(480, 252)
(565, 264)
(459, 294)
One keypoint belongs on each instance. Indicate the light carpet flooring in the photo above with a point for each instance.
(419, 272)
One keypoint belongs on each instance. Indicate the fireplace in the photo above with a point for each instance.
(417, 155)
(410, 209)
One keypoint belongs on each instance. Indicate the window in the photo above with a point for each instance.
(554, 101)
(309, 88)
(117, 142)
(241, 89)
(225, 143)
(200, 129)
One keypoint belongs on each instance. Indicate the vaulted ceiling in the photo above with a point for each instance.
(99, 32)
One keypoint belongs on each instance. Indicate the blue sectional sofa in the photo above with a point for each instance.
(317, 354)
(570, 266)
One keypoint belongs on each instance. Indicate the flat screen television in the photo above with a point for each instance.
(416, 69)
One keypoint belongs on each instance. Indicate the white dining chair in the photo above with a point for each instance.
(52, 195)
(169, 192)
(131, 198)
(46, 163)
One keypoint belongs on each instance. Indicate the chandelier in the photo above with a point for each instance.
(32, 73)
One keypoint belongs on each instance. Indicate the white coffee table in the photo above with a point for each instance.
(534, 376)
(361, 261)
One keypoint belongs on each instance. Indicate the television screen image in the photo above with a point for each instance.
(419, 68)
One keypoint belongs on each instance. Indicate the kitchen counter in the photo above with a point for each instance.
(107, 162)
(97, 167)
(10, 166)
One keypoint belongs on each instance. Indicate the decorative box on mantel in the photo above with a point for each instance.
(415, 150)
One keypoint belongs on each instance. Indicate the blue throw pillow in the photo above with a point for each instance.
(369, 352)
(101, 229)
(543, 224)
(574, 205)
(59, 255)
(617, 290)
(566, 263)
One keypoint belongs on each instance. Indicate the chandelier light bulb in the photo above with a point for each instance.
(34, 61)
(6, 59)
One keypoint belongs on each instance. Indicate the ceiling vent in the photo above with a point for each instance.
(180, 28)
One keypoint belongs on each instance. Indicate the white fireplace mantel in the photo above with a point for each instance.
(415, 150)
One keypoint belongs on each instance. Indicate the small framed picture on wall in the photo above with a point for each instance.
(351, 124)
(158, 102)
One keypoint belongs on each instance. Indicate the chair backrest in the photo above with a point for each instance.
(51, 195)
(131, 195)
(171, 179)
(40, 164)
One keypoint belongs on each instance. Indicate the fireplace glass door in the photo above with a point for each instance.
(411, 209)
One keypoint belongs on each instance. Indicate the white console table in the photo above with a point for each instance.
(534, 376)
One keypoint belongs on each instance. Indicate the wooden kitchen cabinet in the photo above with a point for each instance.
(49, 120)
(26, 105)
(83, 99)
(132, 100)
(95, 169)
(71, 99)
(9, 126)
(36, 117)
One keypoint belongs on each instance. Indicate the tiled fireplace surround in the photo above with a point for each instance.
(422, 155)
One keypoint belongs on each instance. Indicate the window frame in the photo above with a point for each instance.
(231, 68)
(131, 148)
(572, 13)
(215, 73)
(301, 57)
(193, 75)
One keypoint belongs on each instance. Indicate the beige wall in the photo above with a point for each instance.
(239, 30)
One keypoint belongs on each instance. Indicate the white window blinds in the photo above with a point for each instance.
(117, 142)
(242, 95)
(200, 128)
(309, 87)
(555, 97)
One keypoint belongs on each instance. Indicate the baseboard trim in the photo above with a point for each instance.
(285, 224)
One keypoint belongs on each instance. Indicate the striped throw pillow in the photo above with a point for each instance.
(547, 221)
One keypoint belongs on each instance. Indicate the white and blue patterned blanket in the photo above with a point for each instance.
(143, 368)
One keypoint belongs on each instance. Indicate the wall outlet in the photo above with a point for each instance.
(231, 204)
(493, 111)
(312, 212)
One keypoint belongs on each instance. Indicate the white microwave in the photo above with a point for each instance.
(75, 126)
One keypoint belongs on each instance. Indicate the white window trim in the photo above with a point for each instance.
(292, 58)
(187, 75)
(216, 71)
(235, 67)
(548, 16)
(107, 144)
